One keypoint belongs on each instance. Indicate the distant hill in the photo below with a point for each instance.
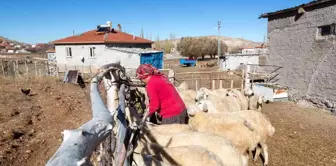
(12, 41)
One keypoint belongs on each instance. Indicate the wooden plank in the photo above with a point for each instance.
(3, 70)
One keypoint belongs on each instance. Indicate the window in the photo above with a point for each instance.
(68, 52)
(92, 52)
(326, 30)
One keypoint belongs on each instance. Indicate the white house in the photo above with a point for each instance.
(92, 49)
(233, 61)
(255, 50)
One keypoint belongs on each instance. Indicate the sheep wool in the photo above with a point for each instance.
(214, 143)
(183, 155)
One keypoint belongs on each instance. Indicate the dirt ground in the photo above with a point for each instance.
(31, 126)
(303, 136)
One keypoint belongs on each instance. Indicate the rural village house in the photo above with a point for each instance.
(302, 40)
(94, 48)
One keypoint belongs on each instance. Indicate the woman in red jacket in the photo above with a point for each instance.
(163, 97)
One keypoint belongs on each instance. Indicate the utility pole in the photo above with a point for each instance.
(219, 43)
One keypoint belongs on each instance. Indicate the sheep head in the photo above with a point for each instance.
(231, 93)
(202, 106)
(201, 94)
(248, 92)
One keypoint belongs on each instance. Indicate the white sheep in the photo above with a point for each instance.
(231, 127)
(219, 98)
(182, 87)
(146, 159)
(264, 128)
(168, 128)
(258, 122)
(182, 155)
(243, 101)
(214, 143)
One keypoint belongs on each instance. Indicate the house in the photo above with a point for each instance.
(103, 45)
(11, 50)
(301, 39)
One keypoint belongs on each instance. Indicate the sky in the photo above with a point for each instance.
(40, 21)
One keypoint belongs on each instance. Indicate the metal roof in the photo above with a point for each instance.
(312, 3)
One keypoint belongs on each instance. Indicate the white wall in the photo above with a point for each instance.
(103, 55)
(254, 51)
(232, 61)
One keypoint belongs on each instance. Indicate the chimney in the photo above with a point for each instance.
(133, 37)
(119, 28)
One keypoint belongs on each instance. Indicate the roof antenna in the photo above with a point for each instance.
(73, 32)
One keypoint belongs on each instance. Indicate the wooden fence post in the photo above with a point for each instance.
(47, 69)
(231, 84)
(35, 68)
(242, 82)
(26, 66)
(213, 84)
(192, 79)
(196, 84)
(220, 84)
(14, 69)
(3, 70)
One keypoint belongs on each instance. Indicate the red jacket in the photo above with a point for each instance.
(163, 97)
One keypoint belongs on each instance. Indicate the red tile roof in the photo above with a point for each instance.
(94, 37)
(51, 51)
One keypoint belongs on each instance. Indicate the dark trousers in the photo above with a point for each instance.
(180, 119)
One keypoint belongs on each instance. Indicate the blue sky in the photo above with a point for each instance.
(35, 21)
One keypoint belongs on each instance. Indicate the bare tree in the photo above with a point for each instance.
(199, 47)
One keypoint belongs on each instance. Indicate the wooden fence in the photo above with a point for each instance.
(26, 68)
(210, 79)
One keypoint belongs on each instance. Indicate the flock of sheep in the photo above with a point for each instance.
(225, 127)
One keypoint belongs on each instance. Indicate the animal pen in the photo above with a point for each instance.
(209, 79)
(18, 68)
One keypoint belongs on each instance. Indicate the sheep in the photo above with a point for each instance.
(227, 103)
(260, 125)
(182, 87)
(183, 155)
(255, 101)
(214, 143)
(145, 160)
(265, 129)
(231, 127)
(240, 96)
(169, 128)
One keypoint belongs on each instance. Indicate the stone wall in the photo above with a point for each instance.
(309, 61)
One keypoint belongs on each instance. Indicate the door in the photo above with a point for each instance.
(155, 59)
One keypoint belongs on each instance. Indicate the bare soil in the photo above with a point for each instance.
(303, 136)
(31, 126)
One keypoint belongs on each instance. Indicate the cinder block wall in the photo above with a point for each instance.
(309, 61)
